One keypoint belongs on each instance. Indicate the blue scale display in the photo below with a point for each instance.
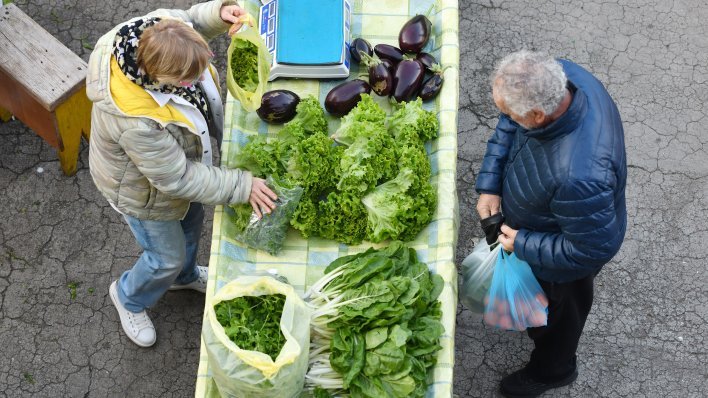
(307, 38)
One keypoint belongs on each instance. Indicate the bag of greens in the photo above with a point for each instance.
(248, 67)
(246, 372)
(267, 233)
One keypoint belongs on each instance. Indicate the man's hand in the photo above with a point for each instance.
(507, 238)
(236, 16)
(488, 205)
(261, 197)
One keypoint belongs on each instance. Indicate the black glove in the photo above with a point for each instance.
(492, 227)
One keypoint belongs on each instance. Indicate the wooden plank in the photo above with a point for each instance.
(73, 119)
(25, 107)
(37, 60)
(5, 115)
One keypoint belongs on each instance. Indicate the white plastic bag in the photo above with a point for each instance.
(251, 374)
(477, 272)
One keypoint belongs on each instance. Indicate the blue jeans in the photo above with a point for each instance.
(169, 256)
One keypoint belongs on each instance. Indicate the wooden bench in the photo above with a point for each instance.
(42, 83)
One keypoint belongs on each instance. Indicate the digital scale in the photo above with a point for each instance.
(307, 38)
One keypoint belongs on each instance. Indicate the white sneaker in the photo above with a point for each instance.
(137, 326)
(199, 285)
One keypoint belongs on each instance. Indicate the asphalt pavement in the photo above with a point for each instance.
(61, 244)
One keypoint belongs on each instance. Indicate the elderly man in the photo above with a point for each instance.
(555, 167)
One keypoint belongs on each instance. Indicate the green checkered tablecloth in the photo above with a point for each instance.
(303, 261)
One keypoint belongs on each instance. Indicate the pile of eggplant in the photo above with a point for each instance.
(397, 72)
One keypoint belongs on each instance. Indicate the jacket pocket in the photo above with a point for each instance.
(152, 196)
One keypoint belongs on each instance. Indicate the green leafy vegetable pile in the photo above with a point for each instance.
(376, 325)
(374, 185)
(253, 322)
(268, 232)
(244, 65)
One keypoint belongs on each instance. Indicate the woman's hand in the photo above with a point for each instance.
(507, 238)
(261, 197)
(236, 16)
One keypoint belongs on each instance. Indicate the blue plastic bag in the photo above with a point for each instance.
(516, 300)
(477, 272)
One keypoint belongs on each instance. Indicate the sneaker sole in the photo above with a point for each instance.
(561, 383)
(180, 287)
(114, 299)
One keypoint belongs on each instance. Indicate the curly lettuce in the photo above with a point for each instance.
(367, 116)
(412, 114)
(399, 208)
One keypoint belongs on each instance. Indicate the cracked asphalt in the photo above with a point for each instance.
(61, 244)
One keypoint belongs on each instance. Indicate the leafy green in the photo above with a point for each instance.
(342, 217)
(348, 348)
(244, 64)
(240, 216)
(399, 208)
(425, 123)
(261, 156)
(366, 116)
(268, 232)
(368, 160)
(310, 115)
(253, 322)
(320, 392)
(314, 163)
(374, 186)
(386, 302)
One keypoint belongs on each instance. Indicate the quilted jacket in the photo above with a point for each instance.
(146, 159)
(563, 186)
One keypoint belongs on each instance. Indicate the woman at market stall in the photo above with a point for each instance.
(156, 103)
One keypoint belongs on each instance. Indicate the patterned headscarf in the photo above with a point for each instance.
(125, 49)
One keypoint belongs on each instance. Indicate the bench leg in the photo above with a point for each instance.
(5, 115)
(73, 119)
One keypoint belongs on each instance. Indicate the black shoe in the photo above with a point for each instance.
(520, 384)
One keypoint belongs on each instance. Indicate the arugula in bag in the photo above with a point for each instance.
(253, 322)
(268, 232)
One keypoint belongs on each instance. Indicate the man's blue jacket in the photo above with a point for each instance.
(562, 186)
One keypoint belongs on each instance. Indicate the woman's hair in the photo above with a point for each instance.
(530, 80)
(172, 50)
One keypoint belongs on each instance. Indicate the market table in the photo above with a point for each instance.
(302, 261)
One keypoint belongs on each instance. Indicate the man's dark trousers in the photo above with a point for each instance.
(553, 357)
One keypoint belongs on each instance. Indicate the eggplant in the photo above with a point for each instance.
(357, 45)
(427, 60)
(343, 98)
(380, 76)
(407, 79)
(278, 106)
(389, 65)
(387, 51)
(414, 34)
(431, 87)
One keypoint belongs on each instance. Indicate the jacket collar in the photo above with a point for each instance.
(568, 121)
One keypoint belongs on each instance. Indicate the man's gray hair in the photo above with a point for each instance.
(530, 80)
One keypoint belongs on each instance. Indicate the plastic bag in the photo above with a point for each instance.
(250, 100)
(267, 233)
(477, 272)
(251, 374)
(516, 300)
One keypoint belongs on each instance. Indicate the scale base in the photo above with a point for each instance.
(308, 71)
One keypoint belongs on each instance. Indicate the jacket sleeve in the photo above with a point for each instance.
(160, 158)
(591, 233)
(204, 17)
(489, 179)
